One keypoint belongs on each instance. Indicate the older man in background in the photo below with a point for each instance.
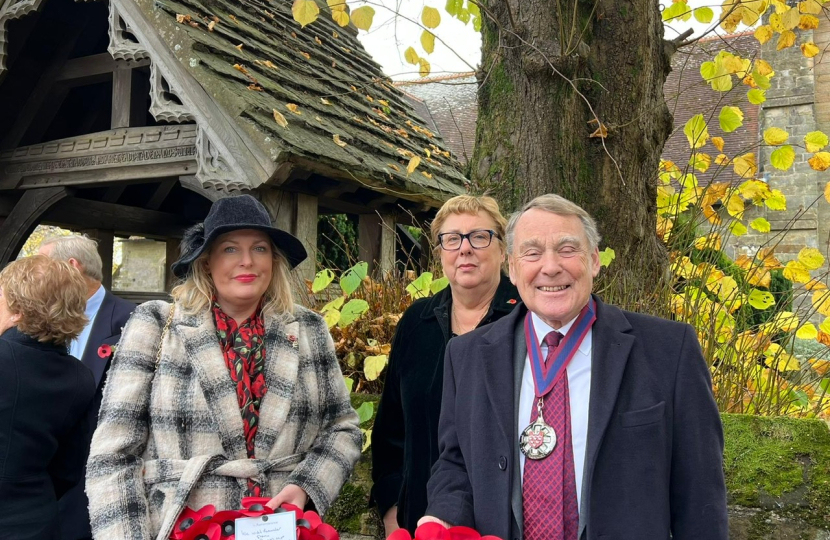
(107, 315)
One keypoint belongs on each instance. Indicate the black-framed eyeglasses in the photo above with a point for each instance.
(478, 239)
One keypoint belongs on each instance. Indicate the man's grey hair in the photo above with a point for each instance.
(560, 206)
(79, 247)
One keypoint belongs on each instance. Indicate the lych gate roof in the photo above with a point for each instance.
(336, 113)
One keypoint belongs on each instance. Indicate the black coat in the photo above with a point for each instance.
(106, 329)
(654, 457)
(44, 397)
(404, 437)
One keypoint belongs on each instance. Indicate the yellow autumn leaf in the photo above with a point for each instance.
(786, 321)
(809, 49)
(811, 258)
(776, 200)
(293, 108)
(775, 136)
(428, 41)
(735, 206)
(700, 161)
(737, 228)
(782, 361)
(815, 141)
(808, 331)
(305, 12)
(710, 241)
(782, 158)
(825, 325)
(819, 366)
(718, 142)
(756, 190)
(341, 18)
(337, 5)
(373, 365)
(763, 33)
(411, 56)
(423, 67)
(790, 19)
(362, 17)
(430, 17)
(812, 7)
(785, 40)
(696, 131)
(413, 164)
(821, 301)
(827, 192)
(338, 142)
(820, 161)
(761, 225)
(796, 272)
(280, 119)
(763, 68)
(808, 22)
(815, 285)
(745, 165)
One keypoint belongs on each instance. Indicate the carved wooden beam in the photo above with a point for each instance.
(10, 10)
(80, 213)
(24, 217)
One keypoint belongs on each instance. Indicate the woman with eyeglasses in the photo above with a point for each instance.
(468, 235)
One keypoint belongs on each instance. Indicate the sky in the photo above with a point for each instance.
(457, 47)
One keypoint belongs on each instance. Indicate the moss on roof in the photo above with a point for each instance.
(341, 111)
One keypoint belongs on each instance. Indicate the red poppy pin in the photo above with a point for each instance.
(512, 301)
(293, 340)
(106, 351)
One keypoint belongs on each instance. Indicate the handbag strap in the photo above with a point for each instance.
(164, 332)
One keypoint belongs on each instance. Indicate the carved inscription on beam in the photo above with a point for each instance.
(122, 154)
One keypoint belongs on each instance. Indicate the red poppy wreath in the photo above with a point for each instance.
(436, 531)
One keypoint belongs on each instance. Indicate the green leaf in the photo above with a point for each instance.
(463, 15)
(431, 17)
(696, 131)
(365, 411)
(335, 304)
(761, 299)
(783, 158)
(477, 23)
(322, 280)
(353, 277)
(349, 383)
(362, 17)
(761, 225)
(678, 10)
(352, 311)
(439, 285)
(815, 141)
(420, 287)
(453, 6)
(800, 398)
(761, 80)
(704, 15)
(737, 228)
(730, 118)
(373, 366)
(756, 96)
(606, 256)
(331, 317)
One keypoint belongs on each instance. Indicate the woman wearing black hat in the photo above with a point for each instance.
(231, 391)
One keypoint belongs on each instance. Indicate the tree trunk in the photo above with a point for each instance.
(534, 127)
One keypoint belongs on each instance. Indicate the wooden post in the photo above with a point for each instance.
(305, 228)
(376, 238)
(122, 86)
(105, 239)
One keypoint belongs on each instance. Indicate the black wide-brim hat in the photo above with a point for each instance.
(232, 214)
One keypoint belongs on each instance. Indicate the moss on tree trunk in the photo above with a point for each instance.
(534, 127)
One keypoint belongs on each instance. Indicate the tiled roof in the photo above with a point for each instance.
(687, 94)
(451, 102)
(343, 114)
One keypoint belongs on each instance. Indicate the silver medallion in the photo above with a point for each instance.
(538, 439)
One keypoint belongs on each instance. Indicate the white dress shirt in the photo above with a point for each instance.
(579, 389)
(78, 345)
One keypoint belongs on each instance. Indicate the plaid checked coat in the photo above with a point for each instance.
(171, 436)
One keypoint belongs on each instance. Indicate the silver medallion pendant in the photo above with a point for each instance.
(538, 439)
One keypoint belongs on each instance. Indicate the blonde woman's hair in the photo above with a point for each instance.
(49, 297)
(195, 292)
(468, 204)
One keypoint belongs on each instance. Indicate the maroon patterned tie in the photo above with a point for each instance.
(549, 485)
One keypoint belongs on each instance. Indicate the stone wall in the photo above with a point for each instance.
(142, 266)
(777, 479)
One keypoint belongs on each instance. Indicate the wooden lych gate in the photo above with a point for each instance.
(129, 117)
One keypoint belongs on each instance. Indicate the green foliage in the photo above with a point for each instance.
(336, 241)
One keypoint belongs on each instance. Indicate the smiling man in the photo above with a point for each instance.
(570, 418)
